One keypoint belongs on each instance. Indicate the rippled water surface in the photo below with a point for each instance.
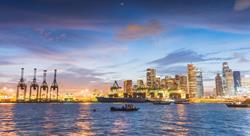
(78, 119)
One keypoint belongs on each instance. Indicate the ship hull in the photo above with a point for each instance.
(161, 103)
(238, 105)
(121, 100)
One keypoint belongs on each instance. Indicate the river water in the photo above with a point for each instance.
(79, 119)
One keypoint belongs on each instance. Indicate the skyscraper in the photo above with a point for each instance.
(229, 83)
(151, 75)
(218, 85)
(183, 84)
(128, 86)
(237, 80)
(200, 89)
(227, 80)
(192, 83)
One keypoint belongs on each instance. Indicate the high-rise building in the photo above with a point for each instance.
(245, 81)
(218, 85)
(229, 83)
(225, 68)
(170, 83)
(140, 83)
(151, 75)
(200, 89)
(163, 84)
(157, 83)
(227, 80)
(192, 83)
(237, 80)
(128, 87)
(183, 84)
(177, 81)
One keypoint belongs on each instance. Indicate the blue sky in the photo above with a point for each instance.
(92, 43)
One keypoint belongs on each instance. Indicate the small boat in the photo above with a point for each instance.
(161, 102)
(126, 107)
(238, 105)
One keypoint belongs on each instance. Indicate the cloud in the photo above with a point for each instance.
(241, 5)
(135, 31)
(51, 35)
(77, 78)
(241, 57)
(121, 64)
(5, 62)
(183, 56)
(172, 70)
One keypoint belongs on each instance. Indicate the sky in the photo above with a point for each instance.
(92, 43)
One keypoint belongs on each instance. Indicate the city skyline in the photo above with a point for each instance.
(91, 50)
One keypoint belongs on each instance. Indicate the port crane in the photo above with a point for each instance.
(44, 86)
(54, 86)
(21, 86)
(114, 89)
(34, 86)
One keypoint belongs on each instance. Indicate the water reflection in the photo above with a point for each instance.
(78, 119)
(182, 120)
(7, 125)
(119, 127)
(174, 121)
(45, 119)
(83, 121)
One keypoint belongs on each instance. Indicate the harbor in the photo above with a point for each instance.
(79, 119)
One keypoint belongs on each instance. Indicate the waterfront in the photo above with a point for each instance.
(78, 119)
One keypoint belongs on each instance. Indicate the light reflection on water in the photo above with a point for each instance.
(78, 119)
(119, 126)
(7, 125)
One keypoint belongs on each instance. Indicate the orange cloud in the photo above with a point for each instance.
(135, 31)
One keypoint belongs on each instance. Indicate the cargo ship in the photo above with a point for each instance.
(118, 96)
(121, 100)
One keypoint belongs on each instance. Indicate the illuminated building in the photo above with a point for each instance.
(237, 80)
(192, 83)
(163, 84)
(170, 83)
(140, 89)
(229, 83)
(245, 81)
(218, 85)
(183, 84)
(157, 83)
(128, 87)
(200, 89)
(227, 80)
(151, 75)
(140, 84)
(176, 87)
(177, 81)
